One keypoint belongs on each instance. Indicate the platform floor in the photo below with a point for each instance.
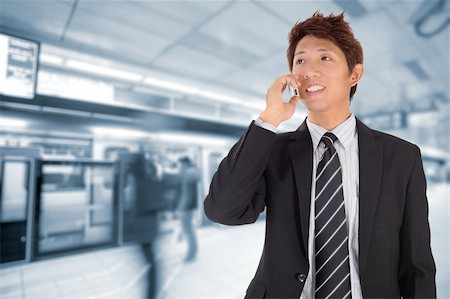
(227, 260)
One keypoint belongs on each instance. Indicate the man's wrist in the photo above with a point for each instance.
(260, 123)
(269, 120)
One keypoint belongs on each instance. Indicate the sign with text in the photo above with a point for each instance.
(18, 66)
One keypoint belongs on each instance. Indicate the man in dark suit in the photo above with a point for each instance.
(347, 213)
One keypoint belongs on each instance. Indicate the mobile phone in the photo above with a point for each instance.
(293, 91)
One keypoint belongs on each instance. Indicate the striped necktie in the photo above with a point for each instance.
(331, 235)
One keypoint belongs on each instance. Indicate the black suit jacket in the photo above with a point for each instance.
(264, 170)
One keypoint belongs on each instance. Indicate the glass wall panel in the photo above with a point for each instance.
(76, 205)
(14, 191)
(14, 194)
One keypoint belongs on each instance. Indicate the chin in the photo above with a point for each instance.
(315, 106)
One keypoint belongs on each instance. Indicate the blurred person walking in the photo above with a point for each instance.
(142, 204)
(187, 205)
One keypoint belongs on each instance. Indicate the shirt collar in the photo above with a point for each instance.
(345, 132)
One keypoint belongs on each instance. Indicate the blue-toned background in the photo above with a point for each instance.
(96, 197)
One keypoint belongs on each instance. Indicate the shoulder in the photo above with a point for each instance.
(395, 141)
(391, 144)
(396, 147)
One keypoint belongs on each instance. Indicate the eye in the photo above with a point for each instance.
(326, 57)
(298, 61)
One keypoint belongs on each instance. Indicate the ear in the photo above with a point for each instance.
(357, 73)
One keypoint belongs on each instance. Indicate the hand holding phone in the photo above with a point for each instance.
(293, 91)
(277, 110)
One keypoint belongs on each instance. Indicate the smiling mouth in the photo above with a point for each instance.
(315, 91)
(315, 88)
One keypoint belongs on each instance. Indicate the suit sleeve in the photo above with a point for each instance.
(238, 188)
(417, 269)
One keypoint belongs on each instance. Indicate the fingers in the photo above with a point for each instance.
(292, 79)
(295, 81)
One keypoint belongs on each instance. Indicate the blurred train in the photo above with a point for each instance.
(60, 195)
(67, 191)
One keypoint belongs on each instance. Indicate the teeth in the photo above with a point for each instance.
(315, 88)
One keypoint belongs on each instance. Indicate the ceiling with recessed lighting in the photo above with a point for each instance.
(238, 47)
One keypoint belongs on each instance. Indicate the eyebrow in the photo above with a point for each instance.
(318, 50)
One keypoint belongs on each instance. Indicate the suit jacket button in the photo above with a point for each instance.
(301, 277)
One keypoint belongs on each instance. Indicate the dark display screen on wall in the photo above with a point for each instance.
(18, 66)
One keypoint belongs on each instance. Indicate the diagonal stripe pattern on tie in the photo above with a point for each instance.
(331, 232)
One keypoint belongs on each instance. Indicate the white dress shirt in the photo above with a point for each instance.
(347, 150)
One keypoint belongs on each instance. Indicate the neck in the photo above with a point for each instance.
(328, 120)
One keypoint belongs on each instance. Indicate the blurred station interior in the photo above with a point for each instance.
(114, 116)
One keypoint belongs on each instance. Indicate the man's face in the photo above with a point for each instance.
(323, 63)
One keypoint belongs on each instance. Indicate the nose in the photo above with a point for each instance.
(310, 72)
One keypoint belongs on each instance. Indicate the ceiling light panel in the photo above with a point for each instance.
(257, 38)
(190, 63)
(189, 12)
(143, 18)
(114, 36)
(293, 11)
(234, 53)
(50, 59)
(35, 18)
(103, 71)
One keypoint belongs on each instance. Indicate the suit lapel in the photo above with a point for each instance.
(370, 170)
(301, 155)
